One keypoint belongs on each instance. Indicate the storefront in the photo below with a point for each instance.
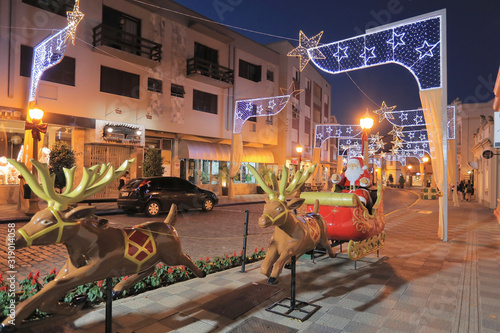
(207, 165)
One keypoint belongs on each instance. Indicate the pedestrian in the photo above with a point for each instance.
(461, 190)
(469, 191)
(401, 181)
(123, 180)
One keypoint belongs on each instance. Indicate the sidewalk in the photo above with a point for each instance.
(419, 284)
(11, 214)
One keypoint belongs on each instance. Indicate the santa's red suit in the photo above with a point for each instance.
(356, 179)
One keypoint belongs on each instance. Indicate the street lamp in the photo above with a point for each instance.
(425, 159)
(35, 114)
(366, 124)
(299, 149)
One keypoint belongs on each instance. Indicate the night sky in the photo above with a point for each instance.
(473, 44)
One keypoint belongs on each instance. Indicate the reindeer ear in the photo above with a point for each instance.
(79, 213)
(295, 203)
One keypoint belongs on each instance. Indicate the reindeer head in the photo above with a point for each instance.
(276, 209)
(50, 226)
(47, 226)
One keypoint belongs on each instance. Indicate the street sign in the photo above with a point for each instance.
(487, 154)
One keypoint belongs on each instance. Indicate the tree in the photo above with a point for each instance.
(61, 156)
(153, 163)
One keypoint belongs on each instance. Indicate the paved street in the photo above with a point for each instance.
(419, 284)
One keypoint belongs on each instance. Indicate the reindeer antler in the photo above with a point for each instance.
(94, 179)
(283, 191)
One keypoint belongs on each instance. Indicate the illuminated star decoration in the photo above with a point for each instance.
(51, 50)
(397, 132)
(74, 18)
(384, 112)
(267, 106)
(301, 51)
(335, 131)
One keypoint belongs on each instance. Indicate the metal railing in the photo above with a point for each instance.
(121, 40)
(210, 69)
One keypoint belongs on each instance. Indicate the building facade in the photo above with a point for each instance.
(139, 77)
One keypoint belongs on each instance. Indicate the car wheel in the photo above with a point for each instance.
(208, 205)
(153, 208)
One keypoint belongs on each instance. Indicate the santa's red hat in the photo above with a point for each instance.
(358, 161)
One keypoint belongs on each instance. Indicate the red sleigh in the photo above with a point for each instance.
(349, 220)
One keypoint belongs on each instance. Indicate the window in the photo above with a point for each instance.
(244, 175)
(118, 82)
(125, 29)
(270, 76)
(59, 7)
(177, 91)
(205, 102)
(155, 85)
(206, 53)
(250, 71)
(63, 72)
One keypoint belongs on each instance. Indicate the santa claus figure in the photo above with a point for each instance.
(356, 179)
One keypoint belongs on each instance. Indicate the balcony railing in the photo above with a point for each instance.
(108, 36)
(210, 69)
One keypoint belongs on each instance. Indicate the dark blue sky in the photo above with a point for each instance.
(473, 43)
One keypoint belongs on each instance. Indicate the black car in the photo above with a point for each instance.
(154, 195)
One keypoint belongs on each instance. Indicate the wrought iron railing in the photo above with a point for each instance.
(210, 69)
(116, 38)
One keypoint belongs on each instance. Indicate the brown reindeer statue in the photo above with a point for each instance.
(293, 235)
(95, 250)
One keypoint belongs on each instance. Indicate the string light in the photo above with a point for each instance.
(51, 51)
(267, 106)
(413, 45)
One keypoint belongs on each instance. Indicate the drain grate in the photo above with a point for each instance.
(257, 325)
(234, 303)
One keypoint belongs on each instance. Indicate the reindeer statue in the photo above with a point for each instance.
(95, 250)
(293, 235)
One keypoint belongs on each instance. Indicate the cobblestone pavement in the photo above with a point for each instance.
(419, 284)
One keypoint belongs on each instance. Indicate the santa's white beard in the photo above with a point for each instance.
(353, 174)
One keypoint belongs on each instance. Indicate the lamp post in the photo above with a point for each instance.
(425, 159)
(35, 113)
(366, 124)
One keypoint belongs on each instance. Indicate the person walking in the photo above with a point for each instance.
(461, 190)
(469, 191)
(401, 181)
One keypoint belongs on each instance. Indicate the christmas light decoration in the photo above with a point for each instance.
(384, 112)
(267, 106)
(325, 131)
(414, 45)
(305, 44)
(51, 51)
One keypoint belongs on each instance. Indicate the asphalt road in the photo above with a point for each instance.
(203, 234)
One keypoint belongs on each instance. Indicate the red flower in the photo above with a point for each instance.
(1, 278)
(154, 274)
(227, 256)
(241, 252)
(262, 249)
(234, 254)
(170, 270)
(3, 288)
(30, 275)
(256, 250)
(208, 258)
(124, 278)
(201, 259)
(33, 282)
(187, 274)
(37, 275)
(53, 271)
(100, 283)
(182, 268)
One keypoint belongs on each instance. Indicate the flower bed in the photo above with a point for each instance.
(95, 291)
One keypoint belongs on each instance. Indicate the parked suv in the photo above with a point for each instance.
(154, 195)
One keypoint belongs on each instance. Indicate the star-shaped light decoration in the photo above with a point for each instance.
(302, 52)
(74, 18)
(260, 108)
(341, 53)
(384, 111)
(397, 132)
(426, 50)
(397, 143)
(291, 91)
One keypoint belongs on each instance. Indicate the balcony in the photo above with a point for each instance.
(208, 72)
(127, 46)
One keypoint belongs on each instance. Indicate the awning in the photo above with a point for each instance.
(218, 152)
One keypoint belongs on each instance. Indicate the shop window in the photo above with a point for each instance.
(204, 102)
(155, 85)
(177, 90)
(250, 71)
(244, 175)
(118, 82)
(193, 171)
(205, 172)
(59, 7)
(63, 72)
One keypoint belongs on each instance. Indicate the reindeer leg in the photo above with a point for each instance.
(271, 257)
(184, 259)
(278, 267)
(47, 299)
(324, 243)
(131, 280)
